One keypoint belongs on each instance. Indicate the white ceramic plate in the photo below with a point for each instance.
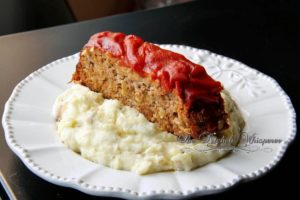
(29, 131)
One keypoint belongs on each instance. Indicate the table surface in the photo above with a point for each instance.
(262, 35)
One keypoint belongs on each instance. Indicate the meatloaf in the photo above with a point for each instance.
(171, 91)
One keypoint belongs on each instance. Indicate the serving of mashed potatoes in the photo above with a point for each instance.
(117, 136)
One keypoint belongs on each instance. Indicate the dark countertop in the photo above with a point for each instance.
(262, 35)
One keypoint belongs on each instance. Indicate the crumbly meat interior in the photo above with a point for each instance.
(101, 72)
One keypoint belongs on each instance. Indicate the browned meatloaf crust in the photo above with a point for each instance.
(102, 70)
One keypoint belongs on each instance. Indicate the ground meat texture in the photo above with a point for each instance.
(102, 72)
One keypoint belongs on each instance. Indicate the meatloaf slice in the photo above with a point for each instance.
(171, 91)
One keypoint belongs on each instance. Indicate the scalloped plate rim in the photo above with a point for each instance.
(76, 184)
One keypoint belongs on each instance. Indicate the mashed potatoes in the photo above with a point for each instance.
(118, 136)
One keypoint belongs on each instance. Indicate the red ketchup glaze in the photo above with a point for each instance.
(175, 72)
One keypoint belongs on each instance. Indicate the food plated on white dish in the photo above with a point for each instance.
(101, 143)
